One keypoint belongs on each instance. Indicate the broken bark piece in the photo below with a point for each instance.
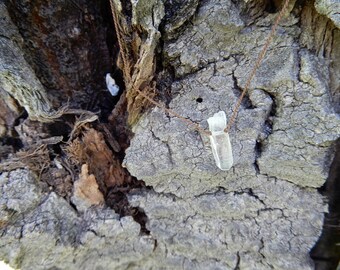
(102, 163)
(60, 180)
(86, 190)
(93, 150)
(137, 50)
(9, 112)
(110, 139)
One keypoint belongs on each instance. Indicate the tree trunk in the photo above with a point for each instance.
(94, 181)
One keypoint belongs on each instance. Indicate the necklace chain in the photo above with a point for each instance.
(256, 66)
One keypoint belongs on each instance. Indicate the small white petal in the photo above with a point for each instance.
(111, 85)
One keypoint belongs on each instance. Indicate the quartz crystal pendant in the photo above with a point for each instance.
(220, 142)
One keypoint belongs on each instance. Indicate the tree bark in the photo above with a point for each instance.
(121, 184)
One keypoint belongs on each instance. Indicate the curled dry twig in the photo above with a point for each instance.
(81, 122)
(36, 157)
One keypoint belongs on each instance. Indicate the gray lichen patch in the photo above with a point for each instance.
(19, 192)
(304, 128)
(255, 227)
(45, 231)
(330, 8)
(209, 37)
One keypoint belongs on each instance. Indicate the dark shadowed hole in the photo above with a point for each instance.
(140, 217)
(118, 201)
(271, 7)
(199, 100)
(59, 128)
(13, 142)
(326, 252)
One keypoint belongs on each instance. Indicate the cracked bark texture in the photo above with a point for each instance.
(252, 216)
(265, 213)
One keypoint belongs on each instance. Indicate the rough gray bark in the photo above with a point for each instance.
(265, 213)
(18, 78)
